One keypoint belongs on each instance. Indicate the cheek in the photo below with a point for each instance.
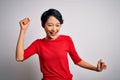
(58, 29)
(47, 29)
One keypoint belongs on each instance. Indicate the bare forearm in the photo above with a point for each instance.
(87, 66)
(20, 46)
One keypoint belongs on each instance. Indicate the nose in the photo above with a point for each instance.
(54, 28)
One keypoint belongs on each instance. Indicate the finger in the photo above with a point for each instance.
(26, 21)
(21, 22)
(101, 66)
(98, 66)
(105, 66)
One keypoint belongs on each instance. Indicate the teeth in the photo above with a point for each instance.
(53, 33)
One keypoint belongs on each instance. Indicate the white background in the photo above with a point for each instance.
(94, 26)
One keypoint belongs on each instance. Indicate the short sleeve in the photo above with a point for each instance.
(72, 52)
(31, 50)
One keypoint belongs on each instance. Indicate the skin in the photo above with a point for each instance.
(20, 44)
(52, 28)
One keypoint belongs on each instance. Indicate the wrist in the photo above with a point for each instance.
(97, 70)
(22, 30)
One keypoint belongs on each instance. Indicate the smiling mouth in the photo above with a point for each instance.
(53, 33)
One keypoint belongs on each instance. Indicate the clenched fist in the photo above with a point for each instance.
(101, 65)
(24, 23)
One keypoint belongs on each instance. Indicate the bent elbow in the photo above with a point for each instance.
(19, 59)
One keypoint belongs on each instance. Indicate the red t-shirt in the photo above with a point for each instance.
(53, 57)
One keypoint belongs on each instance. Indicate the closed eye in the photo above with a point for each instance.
(57, 25)
(50, 25)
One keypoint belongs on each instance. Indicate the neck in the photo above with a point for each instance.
(49, 38)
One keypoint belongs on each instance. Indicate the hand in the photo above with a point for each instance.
(24, 23)
(101, 65)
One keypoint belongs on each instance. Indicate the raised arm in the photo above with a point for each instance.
(20, 44)
(100, 65)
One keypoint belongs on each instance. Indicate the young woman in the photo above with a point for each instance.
(53, 49)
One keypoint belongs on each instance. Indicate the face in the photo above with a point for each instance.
(52, 28)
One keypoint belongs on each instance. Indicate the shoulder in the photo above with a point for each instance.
(65, 36)
(36, 41)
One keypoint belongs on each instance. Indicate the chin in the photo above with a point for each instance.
(53, 37)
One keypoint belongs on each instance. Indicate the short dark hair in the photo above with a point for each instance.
(51, 12)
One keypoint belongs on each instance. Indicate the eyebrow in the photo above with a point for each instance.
(52, 23)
